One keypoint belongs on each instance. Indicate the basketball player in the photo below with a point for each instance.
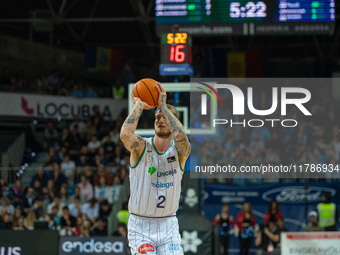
(156, 169)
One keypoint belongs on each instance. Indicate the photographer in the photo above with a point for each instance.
(267, 239)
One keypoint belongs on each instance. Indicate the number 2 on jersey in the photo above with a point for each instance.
(162, 198)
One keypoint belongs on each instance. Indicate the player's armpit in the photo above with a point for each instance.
(135, 144)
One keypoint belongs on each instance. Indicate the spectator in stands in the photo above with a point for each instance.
(313, 223)
(53, 78)
(56, 203)
(55, 215)
(85, 231)
(37, 187)
(328, 213)
(86, 188)
(75, 207)
(20, 225)
(121, 230)
(102, 191)
(37, 208)
(268, 239)
(68, 166)
(105, 209)
(102, 172)
(52, 190)
(114, 133)
(6, 222)
(118, 158)
(100, 227)
(245, 221)
(18, 193)
(109, 146)
(280, 224)
(52, 225)
(67, 222)
(225, 221)
(64, 196)
(50, 134)
(5, 203)
(53, 156)
(66, 139)
(76, 92)
(273, 212)
(77, 194)
(57, 176)
(76, 231)
(77, 122)
(16, 216)
(41, 176)
(90, 210)
(27, 202)
(83, 161)
(101, 158)
(122, 173)
(94, 144)
(90, 92)
(88, 132)
(118, 90)
(116, 188)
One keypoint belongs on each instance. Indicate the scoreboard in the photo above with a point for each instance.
(232, 17)
(176, 48)
(175, 54)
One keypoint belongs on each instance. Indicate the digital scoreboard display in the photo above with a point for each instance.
(176, 48)
(230, 17)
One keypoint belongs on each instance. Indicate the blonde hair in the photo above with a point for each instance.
(172, 109)
(30, 218)
(6, 200)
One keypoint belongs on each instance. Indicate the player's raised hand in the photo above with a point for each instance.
(162, 95)
(135, 100)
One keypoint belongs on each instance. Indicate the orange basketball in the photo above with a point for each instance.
(146, 90)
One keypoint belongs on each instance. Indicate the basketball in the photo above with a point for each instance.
(146, 90)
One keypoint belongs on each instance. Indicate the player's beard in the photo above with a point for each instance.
(163, 134)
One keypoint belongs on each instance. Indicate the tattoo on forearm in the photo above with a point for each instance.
(133, 118)
(177, 131)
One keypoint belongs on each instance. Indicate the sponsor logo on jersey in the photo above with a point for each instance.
(171, 159)
(152, 170)
(148, 158)
(167, 173)
(174, 247)
(162, 185)
(145, 248)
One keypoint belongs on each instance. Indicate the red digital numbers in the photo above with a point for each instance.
(176, 55)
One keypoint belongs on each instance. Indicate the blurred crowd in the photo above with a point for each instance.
(62, 84)
(78, 185)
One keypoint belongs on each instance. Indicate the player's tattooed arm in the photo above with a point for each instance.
(176, 128)
(127, 133)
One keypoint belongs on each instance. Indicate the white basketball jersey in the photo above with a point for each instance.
(155, 182)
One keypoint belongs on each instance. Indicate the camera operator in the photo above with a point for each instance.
(267, 239)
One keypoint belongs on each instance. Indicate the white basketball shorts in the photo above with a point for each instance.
(154, 236)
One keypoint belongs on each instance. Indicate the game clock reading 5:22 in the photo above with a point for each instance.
(247, 10)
